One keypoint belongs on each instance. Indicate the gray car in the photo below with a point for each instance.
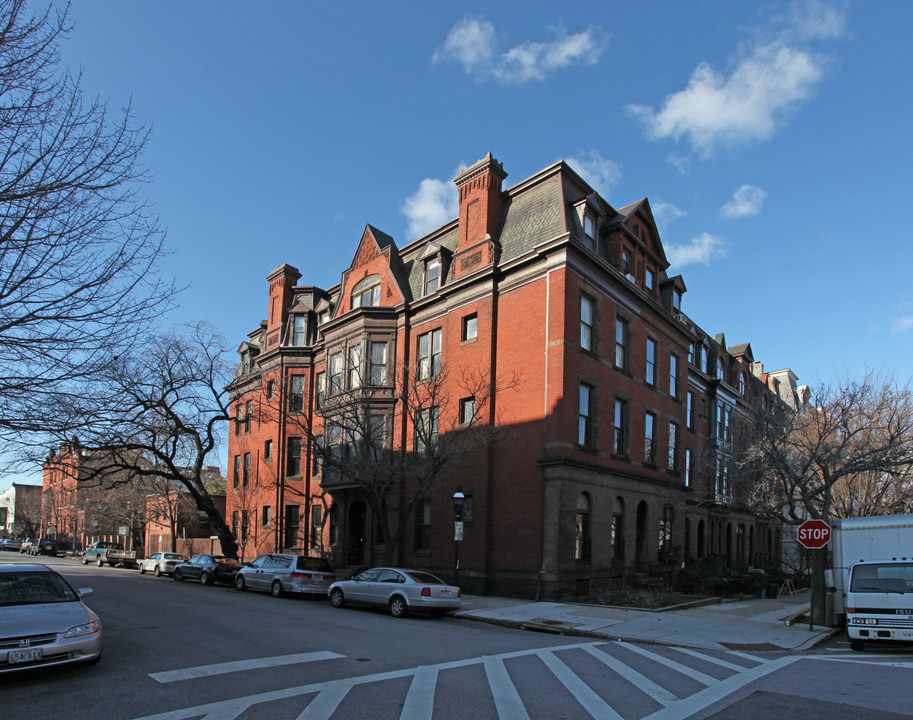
(43, 620)
(280, 573)
(399, 590)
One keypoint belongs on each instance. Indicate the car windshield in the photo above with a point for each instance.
(425, 578)
(32, 588)
(883, 578)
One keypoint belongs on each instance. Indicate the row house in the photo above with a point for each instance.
(615, 417)
(20, 511)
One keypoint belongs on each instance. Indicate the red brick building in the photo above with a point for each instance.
(616, 434)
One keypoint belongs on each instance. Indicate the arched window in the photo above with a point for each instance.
(666, 524)
(366, 293)
(618, 529)
(582, 540)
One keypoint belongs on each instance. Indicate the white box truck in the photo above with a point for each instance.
(873, 576)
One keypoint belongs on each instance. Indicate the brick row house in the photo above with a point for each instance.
(616, 414)
(83, 499)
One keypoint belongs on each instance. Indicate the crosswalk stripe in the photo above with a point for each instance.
(326, 702)
(711, 659)
(507, 700)
(241, 665)
(592, 703)
(672, 665)
(642, 682)
(420, 698)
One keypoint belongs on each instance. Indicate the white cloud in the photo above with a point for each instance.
(902, 324)
(433, 204)
(747, 104)
(665, 213)
(702, 249)
(600, 173)
(816, 20)
(747, 200)
(473, 43)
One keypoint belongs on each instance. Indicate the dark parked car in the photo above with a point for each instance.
(208, 569)
(43, 620)
(44, 547)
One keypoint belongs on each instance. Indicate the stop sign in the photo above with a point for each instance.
(814, 534)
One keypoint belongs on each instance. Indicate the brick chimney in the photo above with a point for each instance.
(281, 281)
(479, 189)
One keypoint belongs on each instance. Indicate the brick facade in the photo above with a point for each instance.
(572, 316)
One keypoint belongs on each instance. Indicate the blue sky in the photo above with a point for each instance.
(772, 139)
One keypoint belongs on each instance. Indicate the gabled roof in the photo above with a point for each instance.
(376, 254)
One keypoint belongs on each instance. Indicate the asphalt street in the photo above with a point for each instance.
(181, 650)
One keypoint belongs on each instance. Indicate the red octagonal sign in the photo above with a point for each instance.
(814, 534)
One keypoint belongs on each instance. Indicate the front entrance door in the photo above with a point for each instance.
(357, 520)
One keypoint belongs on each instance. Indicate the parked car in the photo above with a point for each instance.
(401, 591)
(43, 546)
(161, 563)
(10, 544)
(26, 544)
(43, 620)
(208, 569)
(280, 573)
(113, 553)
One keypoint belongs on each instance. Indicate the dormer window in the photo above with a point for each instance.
(648, 279)
(366, 293)
(742, 384)
(720, 369)
(432, 275)
(589, 231)
(676, 300)
(299, 327)
(627, 262)
(324, 317)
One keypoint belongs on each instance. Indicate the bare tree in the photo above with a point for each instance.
(394, 446)
(78, 247)
(159, 414)
(27, 522)
(811, 463)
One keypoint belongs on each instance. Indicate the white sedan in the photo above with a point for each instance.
(400, 591)
(162, 563)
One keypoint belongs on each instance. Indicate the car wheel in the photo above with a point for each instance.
(142, 569)
(178, 575)
(205, 578)
(276, 588)
(100, 562)
(337, 598)
(398, 607)
(158, 571)
(857, 645)
(85, 560)
(239, 583)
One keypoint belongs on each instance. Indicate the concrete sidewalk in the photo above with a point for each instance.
(751, 624)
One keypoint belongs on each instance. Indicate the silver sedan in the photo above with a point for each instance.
(161, 563)
(43, 620)
(399, 590)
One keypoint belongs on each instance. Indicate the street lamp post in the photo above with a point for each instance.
(458, 499)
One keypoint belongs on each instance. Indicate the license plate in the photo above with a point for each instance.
(445, 593)
(907, 634)
(22, 656)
